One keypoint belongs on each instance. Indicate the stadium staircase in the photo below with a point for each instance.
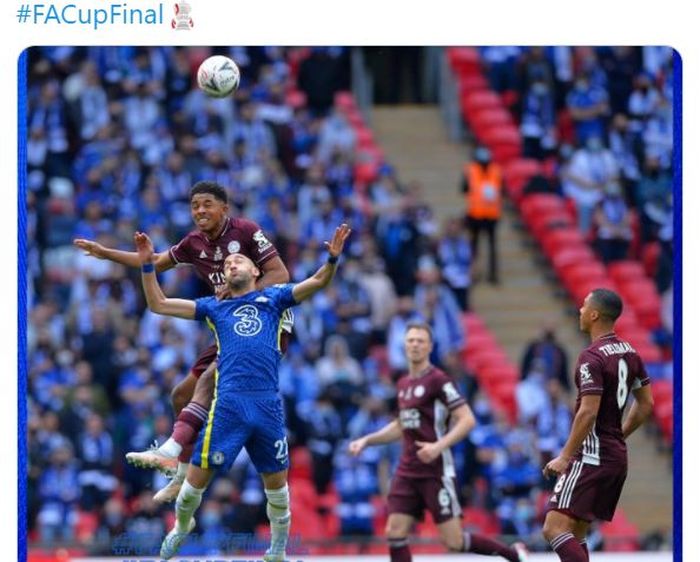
(533, 289)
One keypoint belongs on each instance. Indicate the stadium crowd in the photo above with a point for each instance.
(118, 135)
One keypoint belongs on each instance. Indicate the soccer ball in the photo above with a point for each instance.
(218, 76)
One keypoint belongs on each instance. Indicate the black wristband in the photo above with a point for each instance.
(332, 260)
(148, 268)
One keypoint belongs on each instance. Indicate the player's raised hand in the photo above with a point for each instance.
(222, 292)
(90, 247)
(357, 446)
(144, 247)
(335, 246)
(428, 452)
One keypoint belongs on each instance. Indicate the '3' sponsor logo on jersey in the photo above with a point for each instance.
(249, 323)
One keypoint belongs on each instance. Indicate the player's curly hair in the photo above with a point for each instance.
(210, 187)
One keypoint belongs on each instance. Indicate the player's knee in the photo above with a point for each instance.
(551, 529)
(453, 543)
(394, 530)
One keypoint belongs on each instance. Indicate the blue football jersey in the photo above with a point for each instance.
(247, 331)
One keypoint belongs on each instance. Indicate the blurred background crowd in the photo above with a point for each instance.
(116, 136)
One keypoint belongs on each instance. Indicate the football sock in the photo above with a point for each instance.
(399, 550)
(568, 549)
(479, 544)
(186, 454)
(188, 501)
(188, 424)
(280, 518)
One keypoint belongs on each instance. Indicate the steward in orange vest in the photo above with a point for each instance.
(483, 193)
(483, 186)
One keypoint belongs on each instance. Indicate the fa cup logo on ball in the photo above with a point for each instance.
(182, 19)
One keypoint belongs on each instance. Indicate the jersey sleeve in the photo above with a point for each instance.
(259, 247)
(282, 295)
(447, 392)
(203, 307)
(642, 378)
(590, 374)
(182, 251)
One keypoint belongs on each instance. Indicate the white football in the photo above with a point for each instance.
(218, 76)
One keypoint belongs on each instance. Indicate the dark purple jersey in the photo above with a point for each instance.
(425, 403)
(239, 236)
(611, 368)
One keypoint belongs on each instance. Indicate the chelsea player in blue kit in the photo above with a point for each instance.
(246, 410)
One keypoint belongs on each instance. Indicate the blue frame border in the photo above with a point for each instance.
(677, 308)
(22, 307)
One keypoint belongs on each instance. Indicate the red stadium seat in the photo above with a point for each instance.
(539, 203)
(561, 239)
(295, 99)
(620, 535)
(485, 119)
(366, 173)
(473, 102)
(344, 101)
(480, 520)
(465, 61)
(626, 270)
(300, 463)
(542, 224)
(486, 359)
(518, 172)
(472, 83)
(571, 257)
(473, 323)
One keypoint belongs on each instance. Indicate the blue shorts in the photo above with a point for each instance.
(254, 420)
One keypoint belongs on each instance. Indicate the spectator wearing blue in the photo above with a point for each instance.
(455, 254)
(538, 120)
(59, 492)
(612, 225)
(438, 306)
(585, 176)
(588, 106)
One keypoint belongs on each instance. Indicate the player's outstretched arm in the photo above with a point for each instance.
(640, 410)
(389, 433)
(161, 260)
(156, 300)
(324, 275)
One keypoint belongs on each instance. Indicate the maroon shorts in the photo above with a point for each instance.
(206, 358)
(588, 492)
(411, 496)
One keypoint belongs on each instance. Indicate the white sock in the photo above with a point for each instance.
(280, 518)
(181, 470)
(171, 448)
(188, 501)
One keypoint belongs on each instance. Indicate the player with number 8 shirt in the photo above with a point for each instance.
(592, 466)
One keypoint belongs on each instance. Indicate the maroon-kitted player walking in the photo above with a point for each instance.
(592, 466)
(425, 477)
(217, 235)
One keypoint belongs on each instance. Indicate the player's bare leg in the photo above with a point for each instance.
(559, 531)
(188, 500)
(398, 526)
(456, 539)
(279, 514)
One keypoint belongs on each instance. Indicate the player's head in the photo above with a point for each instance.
(602, 307)
(240, 272)
(208, 205)
(418, 342)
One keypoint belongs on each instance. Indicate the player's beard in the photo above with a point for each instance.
(241, 282)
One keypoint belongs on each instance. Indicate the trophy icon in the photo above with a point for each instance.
(182, 19)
